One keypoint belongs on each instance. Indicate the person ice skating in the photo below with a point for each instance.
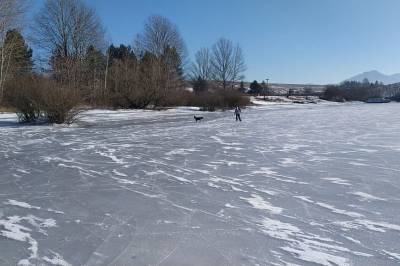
(237, 113)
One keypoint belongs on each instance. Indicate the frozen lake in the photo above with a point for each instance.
(290, 185)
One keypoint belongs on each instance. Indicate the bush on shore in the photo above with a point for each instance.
(206, 100)
(22, 95)
(221, 99)
(353, 91)
(35, 97)
(59, 104)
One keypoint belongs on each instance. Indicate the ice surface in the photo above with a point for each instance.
(290, 185)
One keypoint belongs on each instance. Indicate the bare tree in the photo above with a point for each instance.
(11, 17)
(123, 78)
(238, 65)
(222, 61)
(201, 67)
(68, 28)
(227, 62)
(159, 35)
(161, 41)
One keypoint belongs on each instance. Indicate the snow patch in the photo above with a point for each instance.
(392, 254)
(110, 154)
(357, 164)
(57, 259)
(288, 161)
(21, 204)
(370, 225)
(339, 211)
(119, 173)
(259, 203)
(366, 197)
(338, 181)
(14, 230)
(29, 206)
(265, 171)
(123, 181)
(304, 198)
(210, 184)
(237, 189)
(181, 152)
(220, 141)
(278, 229)
(306, 253)
(269, 192)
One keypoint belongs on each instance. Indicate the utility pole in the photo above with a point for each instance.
(265, 89)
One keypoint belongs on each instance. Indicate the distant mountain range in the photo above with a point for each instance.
(374, 75)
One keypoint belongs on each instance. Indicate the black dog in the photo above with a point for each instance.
(198, 118)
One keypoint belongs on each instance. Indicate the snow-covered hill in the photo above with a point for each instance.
(374, 75)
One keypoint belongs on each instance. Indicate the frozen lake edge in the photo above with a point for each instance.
(306, 185)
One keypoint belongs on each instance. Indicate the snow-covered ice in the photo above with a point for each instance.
(290, 185)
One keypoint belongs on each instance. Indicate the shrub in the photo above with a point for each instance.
(353, 91)
(221, 99)
(233, 98)
(333, 93)
(23, 95)
(59, 104)
(207, 101)
(33, 97)
(178, 97)
(396, 98)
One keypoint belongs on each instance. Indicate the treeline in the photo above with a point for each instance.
(259, 88)
(76, 67)
(354, 91)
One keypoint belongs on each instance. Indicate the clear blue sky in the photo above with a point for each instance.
(290, 41)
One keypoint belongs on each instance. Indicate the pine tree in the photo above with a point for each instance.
(200, 85)
(94, 66)
(264, 89)
(95, 60)
(255, 88)
(21, 55)
(122, 52)
(173, 63)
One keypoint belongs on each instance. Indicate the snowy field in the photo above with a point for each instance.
(290, 185)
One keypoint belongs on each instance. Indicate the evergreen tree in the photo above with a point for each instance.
(173, 65)
(95, 60)
(255, 88)
(120, 53)
(21, 55)
(264, 89)
(94, 69)
(200, 85)
(365, 81)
